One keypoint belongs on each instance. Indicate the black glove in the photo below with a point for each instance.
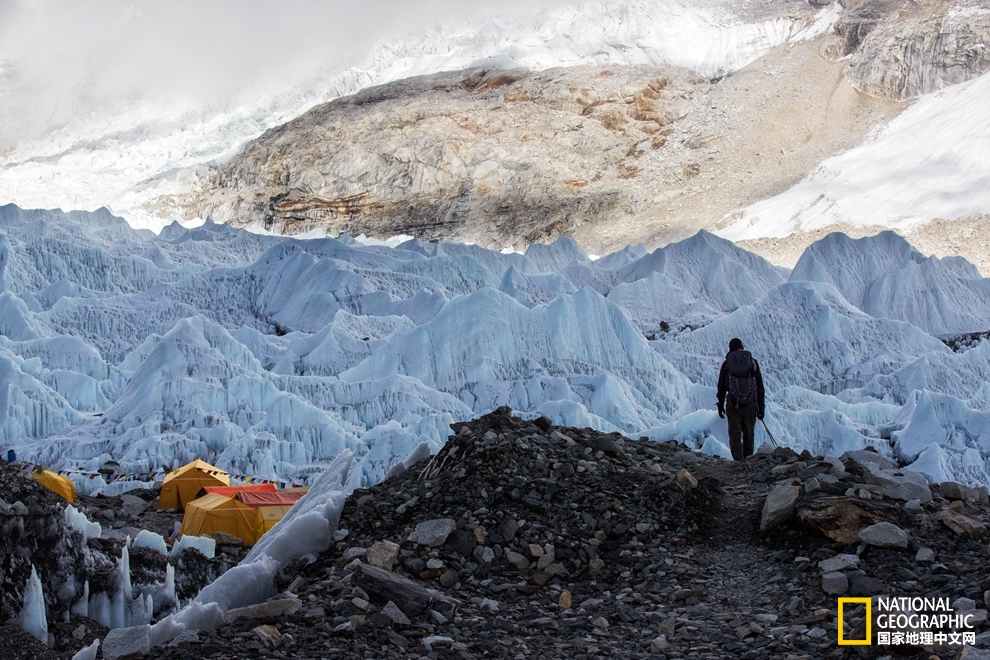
(721, 411)
(759, 415)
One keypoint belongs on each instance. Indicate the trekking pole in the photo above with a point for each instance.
(769, 434)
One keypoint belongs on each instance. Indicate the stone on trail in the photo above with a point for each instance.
(392, 611)
(862, 585)
(382, 554)
(838, 563)
(884, 535)
(779, 505)
(223, 538)
(952, 490)
(902, 485)
(685, 478)
(835, 584)
(433, 533)
(972, 653)
(961, 524)
(659, 645)
(272, 608)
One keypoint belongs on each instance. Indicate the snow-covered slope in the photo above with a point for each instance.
(930, 162)
(273, 365)
(128, 155)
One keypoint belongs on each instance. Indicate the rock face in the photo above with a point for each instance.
(483, 154)
(608, 156)
(903, 50)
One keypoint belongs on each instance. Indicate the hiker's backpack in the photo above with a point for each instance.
(742, 378)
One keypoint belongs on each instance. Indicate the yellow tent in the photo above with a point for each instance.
(271, 515)
(56, 483)
(217, 513)
(181, 486)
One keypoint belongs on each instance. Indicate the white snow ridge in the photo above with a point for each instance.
(271, 356)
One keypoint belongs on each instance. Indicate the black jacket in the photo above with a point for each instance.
(723, 385)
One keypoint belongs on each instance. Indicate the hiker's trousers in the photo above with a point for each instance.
(742, 422)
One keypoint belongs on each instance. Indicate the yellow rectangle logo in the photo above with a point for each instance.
(868, 602)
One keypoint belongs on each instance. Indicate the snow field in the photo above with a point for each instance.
(929, 162)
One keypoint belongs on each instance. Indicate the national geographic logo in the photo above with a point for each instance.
(908, 620)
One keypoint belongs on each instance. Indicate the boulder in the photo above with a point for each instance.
(409, 596)
(779, 505)
(841, 518)
(884, 535)
(835, 583)
(868, 461)
(382, 554)
(953, 490)
(838, 563)
(127, 642)
(902, 485)
(960, 523)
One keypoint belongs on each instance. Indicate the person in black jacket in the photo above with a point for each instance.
(741, 397)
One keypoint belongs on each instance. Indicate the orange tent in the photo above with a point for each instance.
(182, 485)
(276, 498)
(272, 507)
(230, 491)
(56, 483)
(216, 513)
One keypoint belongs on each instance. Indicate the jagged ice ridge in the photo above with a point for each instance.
(271, 356)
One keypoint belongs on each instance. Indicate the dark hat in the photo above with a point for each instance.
(735, 344)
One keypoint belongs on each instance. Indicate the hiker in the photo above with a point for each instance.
(740, 385)
(11, 456)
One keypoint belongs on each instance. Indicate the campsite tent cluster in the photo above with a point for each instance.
(212, 505)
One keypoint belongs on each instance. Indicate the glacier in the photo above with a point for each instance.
(271, 356)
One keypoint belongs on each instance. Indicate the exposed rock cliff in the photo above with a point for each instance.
(901, 50)
(610, 156)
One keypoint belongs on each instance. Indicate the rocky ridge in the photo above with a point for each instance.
(520, 540)
(901, 50)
